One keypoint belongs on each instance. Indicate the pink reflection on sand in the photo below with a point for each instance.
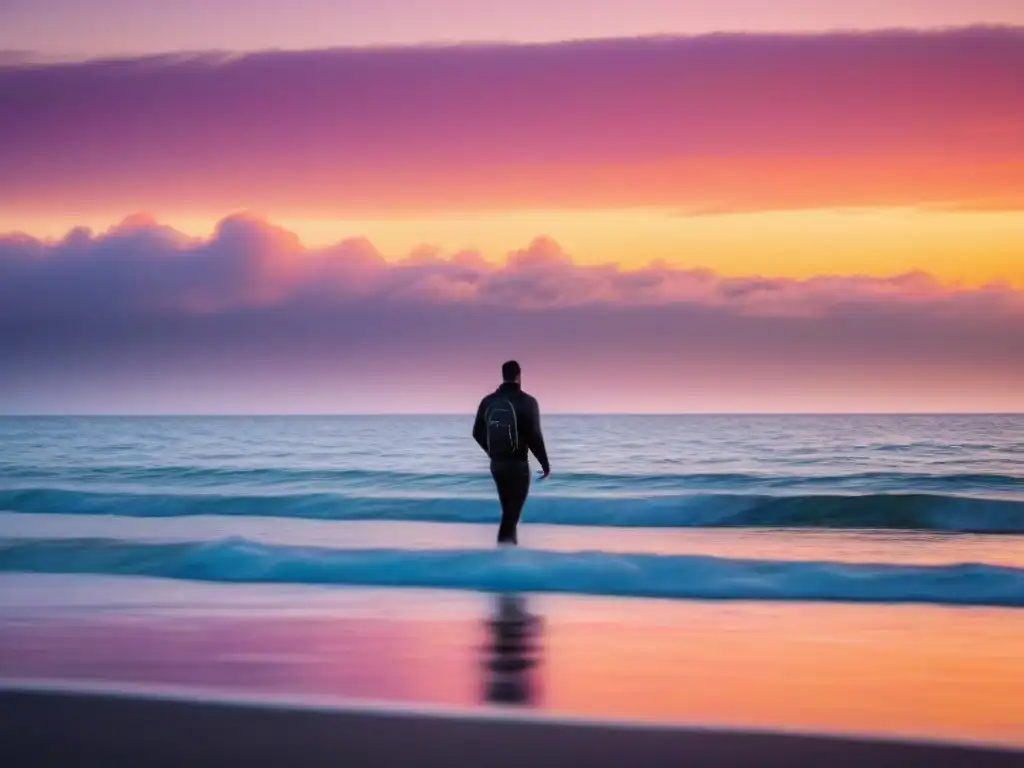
(350, 657)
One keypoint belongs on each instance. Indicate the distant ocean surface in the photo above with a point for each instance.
(828, 508)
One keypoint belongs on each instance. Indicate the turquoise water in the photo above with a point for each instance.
(829, 508)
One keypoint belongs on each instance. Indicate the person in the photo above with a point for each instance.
(507, 427)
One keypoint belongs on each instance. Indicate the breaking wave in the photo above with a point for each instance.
(496, 570)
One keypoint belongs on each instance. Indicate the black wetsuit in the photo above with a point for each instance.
(512, 476)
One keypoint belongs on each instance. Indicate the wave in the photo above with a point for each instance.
(499, 570)
(327, 479)
(926, 512)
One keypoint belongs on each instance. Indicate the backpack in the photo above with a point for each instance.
(502, 430)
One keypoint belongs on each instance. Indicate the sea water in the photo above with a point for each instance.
(888, 509)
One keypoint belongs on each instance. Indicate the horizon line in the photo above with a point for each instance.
(342, 414)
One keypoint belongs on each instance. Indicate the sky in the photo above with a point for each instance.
(349, 207)
(97, 28)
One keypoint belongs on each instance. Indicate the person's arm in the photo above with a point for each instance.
(480, 426)
(536, 444)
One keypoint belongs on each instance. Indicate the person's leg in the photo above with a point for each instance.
(519, 487)
(513, 484)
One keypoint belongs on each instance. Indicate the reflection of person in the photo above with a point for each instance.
(507, 427)
(512, 652)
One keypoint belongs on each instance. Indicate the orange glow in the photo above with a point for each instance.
(897, 670)
(972, 248)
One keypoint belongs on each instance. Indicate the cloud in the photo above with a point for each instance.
(142, 318)
(717, 123)
(141, 267)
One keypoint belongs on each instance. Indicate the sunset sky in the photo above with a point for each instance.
(339, 206)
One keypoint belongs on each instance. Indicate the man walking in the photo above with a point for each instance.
(507, 427)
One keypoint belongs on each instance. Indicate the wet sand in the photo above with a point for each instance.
(903, 672)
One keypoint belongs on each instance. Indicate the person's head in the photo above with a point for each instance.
(511, 372)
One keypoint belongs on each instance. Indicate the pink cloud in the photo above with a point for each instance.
(145, 267)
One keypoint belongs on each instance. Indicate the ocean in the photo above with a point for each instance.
(833, 508)
(827, 572)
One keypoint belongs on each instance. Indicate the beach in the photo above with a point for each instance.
(853, 594)
(126, 730)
